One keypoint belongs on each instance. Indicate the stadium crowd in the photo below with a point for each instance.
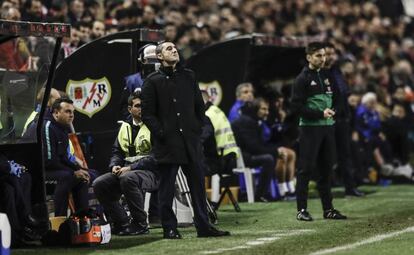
(373, 45)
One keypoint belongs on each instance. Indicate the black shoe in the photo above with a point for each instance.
(212, 232)
(31, 235)
(304, 215)
(172, 234)
(354, 193)
(132, 230)
(32, 221)
(333, 214)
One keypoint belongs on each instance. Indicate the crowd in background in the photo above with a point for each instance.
(373, 38)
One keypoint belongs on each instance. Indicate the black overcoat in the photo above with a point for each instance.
(173, 110)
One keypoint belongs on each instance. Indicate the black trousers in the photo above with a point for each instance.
(15, 202)
(267, 163)
(195, 179)
(108, 189)
(343, 149)
(66, 183)
(316, 158)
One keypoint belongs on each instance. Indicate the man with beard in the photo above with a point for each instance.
(313, 99)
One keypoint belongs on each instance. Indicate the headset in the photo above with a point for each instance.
(147, 60)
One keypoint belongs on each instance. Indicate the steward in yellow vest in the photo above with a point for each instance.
(133, 172)
(222, 130)
(220, 148)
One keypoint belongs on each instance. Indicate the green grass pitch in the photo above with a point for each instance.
(272, 229)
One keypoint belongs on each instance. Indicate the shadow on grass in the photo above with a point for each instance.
(341, 194)
(127, 242)
(115, 244)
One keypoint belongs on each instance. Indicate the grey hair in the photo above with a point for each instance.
(241, 86)
(368, 97)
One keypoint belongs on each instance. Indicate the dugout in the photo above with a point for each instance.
(257, 58)
(93, 76)
(28, 53)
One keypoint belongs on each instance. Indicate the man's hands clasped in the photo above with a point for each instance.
(118, 170)
(328, 113)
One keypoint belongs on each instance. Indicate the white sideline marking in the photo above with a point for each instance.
(363, 242)
(274, 235)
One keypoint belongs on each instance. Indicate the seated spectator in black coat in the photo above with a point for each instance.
(396, 130)
(255, 152)
(15, 185)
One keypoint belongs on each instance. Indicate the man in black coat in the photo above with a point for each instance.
(15, 185)
(256, 153)
(342, 128)
(173, 110)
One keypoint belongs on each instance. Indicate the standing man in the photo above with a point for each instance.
(133, 172)
(313, 98)
(342, 118)
(173, 110)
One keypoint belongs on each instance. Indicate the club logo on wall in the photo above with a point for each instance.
(214, 91)
(89, 96)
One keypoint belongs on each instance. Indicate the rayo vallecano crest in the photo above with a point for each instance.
(214, 91)
(89, 96)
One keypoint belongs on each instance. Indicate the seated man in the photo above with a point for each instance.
(15, 187)
(59, 164)
(54, 94)
(255, 152)
(219, 144)
(133, 172)
(244, 93)
(285, 167)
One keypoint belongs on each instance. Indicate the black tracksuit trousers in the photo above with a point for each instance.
(316, 158)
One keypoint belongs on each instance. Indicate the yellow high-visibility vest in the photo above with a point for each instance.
(142, 141)
(222, 131)
(29, 120)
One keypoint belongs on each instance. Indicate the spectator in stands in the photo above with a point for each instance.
(255, 152)
(33, 11)
(58, 12)
(170, 32)
(396, 130)
(14, 52)
(368, 125)
(342, 128)
(149, 18)
(76, 10)
(133, 172)
(98, 30)
(244, 93)
(313, 98)
(376, 143)
(84, 32)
